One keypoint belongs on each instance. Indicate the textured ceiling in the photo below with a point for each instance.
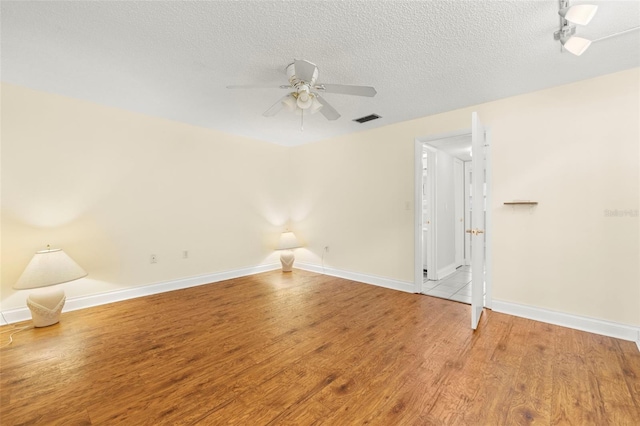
(175, 59)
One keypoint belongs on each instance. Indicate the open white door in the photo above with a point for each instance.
(477, 219)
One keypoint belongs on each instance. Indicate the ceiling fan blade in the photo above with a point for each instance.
(275, 108)
(258, 86)
(346, 89)
(327, 110)
(304, 70)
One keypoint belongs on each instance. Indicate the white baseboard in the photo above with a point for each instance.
(592, 325)
(405, 286)
(447, 270)
(72, 304)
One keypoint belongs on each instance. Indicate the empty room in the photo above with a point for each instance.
(320, 212)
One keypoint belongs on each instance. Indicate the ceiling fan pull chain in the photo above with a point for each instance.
(302, 120)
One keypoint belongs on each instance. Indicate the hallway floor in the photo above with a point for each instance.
(456, 286)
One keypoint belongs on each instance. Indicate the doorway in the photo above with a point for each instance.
(445, 258)
(480, 234)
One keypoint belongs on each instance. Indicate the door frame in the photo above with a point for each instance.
(419, 142)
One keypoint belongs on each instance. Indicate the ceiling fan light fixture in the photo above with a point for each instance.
(289, 103)
(315, 106)
(580, 14)
(576, 45)
(305, 99)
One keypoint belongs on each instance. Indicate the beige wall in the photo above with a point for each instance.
(351, 193)
(578, 163)
(112, 187)
(574, 149)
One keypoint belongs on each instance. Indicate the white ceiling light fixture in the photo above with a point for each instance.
(315, 105)
(580, 15)
(289, 102)
(576, 45)
(302, 101)
(296, 102)
(304, 97)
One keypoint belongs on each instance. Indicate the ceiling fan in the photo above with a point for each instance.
(304, 95)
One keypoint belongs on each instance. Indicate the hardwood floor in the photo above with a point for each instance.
(302, 349)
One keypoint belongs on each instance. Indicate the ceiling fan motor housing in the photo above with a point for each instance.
(296, 81)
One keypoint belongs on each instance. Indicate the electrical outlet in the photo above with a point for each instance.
(153, 259)
(185, 254)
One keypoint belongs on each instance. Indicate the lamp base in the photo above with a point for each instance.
(46, 307)
(287, 258)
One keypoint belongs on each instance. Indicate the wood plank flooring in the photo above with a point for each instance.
(306, 349)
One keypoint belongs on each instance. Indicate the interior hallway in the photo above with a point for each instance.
(456, 286)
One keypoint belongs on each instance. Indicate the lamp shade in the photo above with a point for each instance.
(315, 106)
(577, 45)
(580, 14)
(49, 267)
(288, 241)
(289, 102)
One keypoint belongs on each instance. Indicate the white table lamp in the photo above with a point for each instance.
(288, 241)
(48, 267)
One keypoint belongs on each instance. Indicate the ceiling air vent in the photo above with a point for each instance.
(367, 118)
